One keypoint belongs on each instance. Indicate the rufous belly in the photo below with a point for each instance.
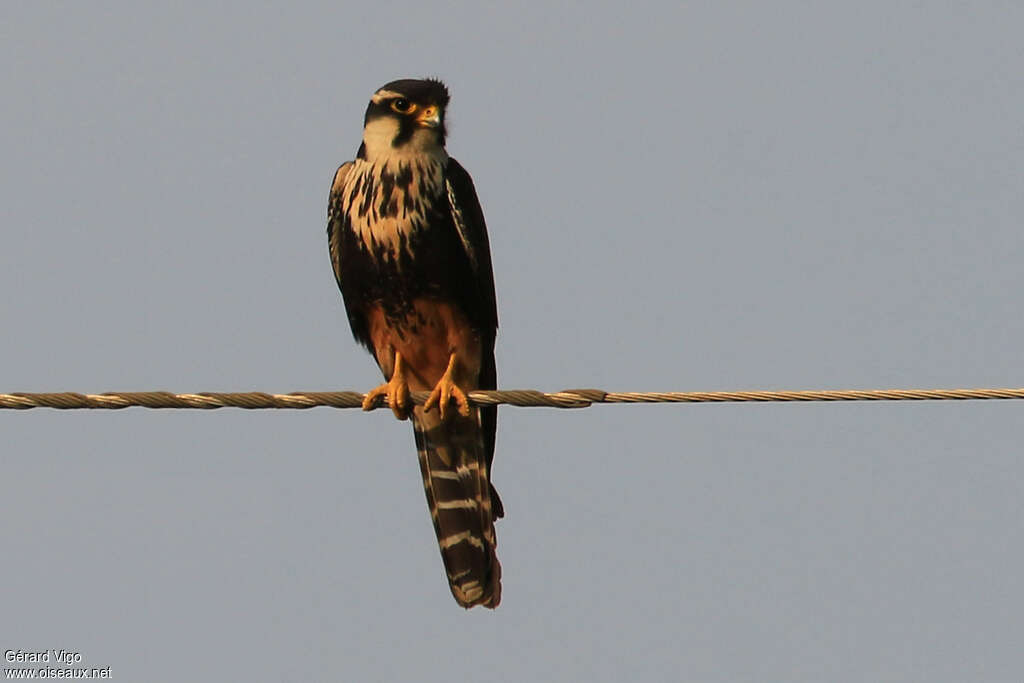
(427, 338)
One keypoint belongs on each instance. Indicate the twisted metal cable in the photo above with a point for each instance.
(569, 398)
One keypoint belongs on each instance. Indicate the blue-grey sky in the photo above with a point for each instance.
(684, 196)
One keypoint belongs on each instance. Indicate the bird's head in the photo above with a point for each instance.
(405, 116)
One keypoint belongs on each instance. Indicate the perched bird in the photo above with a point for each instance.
(409, 248)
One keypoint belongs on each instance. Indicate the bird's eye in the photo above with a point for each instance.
(402, 105)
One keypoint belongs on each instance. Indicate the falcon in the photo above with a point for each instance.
(410, 253)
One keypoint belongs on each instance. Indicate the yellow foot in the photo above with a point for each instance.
(396, 389)
(445, 391)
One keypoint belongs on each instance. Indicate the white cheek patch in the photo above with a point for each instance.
(378, 136)
(380, 133)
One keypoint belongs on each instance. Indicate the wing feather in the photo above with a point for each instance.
(334, 218)
(339, 239)
(472, 229)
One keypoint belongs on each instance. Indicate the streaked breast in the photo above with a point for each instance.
(387, 200)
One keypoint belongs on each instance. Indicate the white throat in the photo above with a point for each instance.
(389, 194)
(380, 133)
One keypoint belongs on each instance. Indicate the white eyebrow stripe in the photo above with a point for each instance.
(382, 95)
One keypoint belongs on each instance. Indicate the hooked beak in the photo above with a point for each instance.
(430, 117)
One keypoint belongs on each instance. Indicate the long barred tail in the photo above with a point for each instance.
(458, 490)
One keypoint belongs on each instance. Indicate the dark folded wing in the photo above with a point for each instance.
(345, 259)
(334, 218)
(472, 229)
(469, 222)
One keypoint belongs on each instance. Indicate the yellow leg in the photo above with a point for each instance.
(445, 391)
(396, 389)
